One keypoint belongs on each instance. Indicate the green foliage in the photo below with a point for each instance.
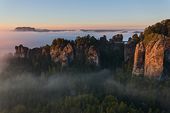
(150, 37)
(158, 28)
(113, 91)
(86, 41)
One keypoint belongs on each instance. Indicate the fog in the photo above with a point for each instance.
(25, 88)
(9, 39)
(18, 89)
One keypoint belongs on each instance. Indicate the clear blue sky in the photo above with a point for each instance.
(82, 13)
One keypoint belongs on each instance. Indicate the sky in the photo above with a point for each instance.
(82, 14)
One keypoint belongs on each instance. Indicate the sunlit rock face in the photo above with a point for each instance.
(139, 57)
(21, 51)
(157, 51)
(154, 57)
(67, 55)
(92, 56)
(62, 55)
(55, 53)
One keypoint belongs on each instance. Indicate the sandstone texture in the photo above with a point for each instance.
(152, 55)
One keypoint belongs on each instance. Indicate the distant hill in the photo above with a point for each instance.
(101, 30)
(27, 29)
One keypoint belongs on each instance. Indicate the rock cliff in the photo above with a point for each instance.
(152, 54)
(84, 52)
(138, 68)
(93, 56)
(154, 57)
(21, 51)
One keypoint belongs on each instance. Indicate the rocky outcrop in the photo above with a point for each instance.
(21, 51)
(149, 60)
(138, 67)
(152, 55)
(84, 51)
(92, 56)
(63, 55)
(129, 49)
(117, 38)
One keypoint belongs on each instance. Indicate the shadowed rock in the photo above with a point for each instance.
(117, 38)
(21, 51)
(129, 49)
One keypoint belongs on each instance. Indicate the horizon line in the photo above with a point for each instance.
(79, 28)
(74, 26)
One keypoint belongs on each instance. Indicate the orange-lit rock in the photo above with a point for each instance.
(92, 56)
(62, 55)
(157, 51)
(154, 57)
(139, 57)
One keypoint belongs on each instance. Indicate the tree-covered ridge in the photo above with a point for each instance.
(162, 28)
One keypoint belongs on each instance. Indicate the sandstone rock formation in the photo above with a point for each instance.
(62, 55)
(92, 56)
(117, 38)
(152, 55)
(84, 51)
(129, 49)
(138, 68)
(21, 51)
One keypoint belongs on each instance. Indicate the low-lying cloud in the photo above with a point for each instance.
(27, 88)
